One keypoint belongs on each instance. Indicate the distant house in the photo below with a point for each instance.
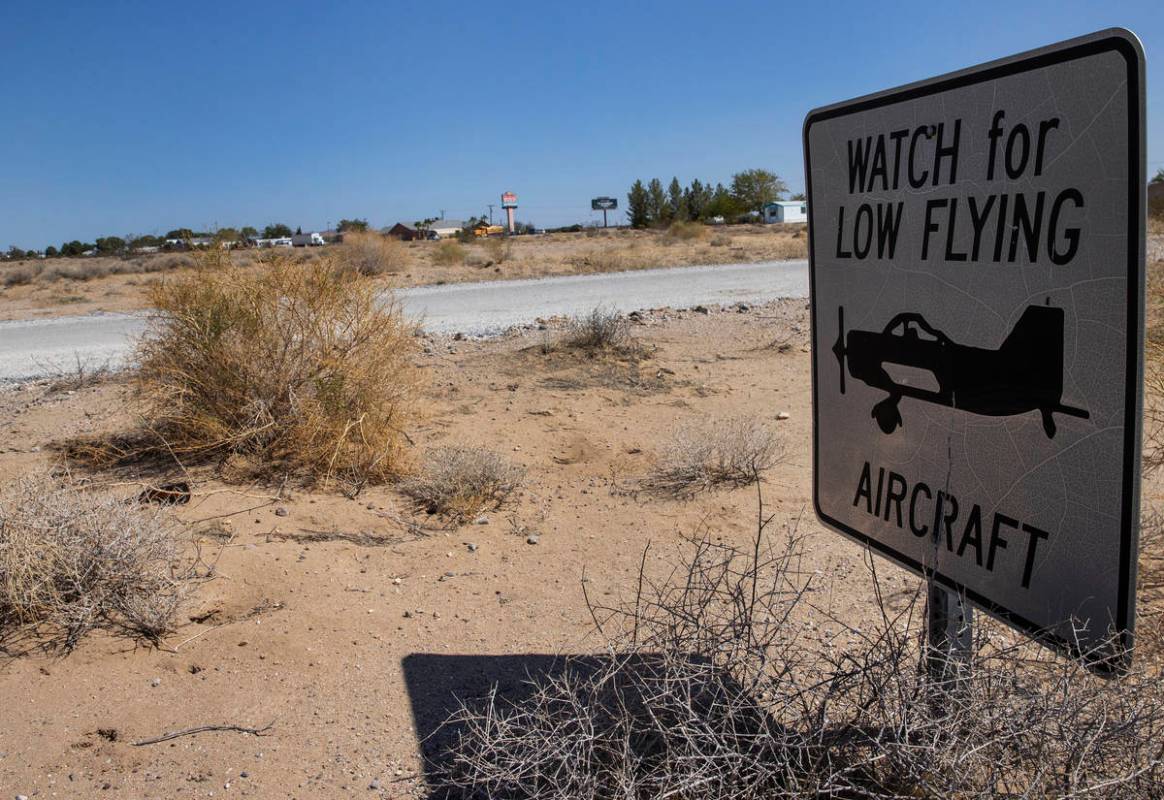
(445, 228)
(281, 241)
(403, 232)
(785, 211)
(331, 236)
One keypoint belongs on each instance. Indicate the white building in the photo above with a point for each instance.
(786, 211)
(446, 228)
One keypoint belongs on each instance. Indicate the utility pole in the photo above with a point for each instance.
(442, 213)
(491, 214)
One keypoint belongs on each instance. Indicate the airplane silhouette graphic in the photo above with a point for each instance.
(1024, 374)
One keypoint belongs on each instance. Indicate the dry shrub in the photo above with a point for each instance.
(168, 262)
(684, 231)
(709, 688)
(286, 366)
(370, 253)
(603, 259)
(461, 482)
(498, 249)
(20, 275)
(448, 252)
(601, 330)
(720, 240)
(709, 454)
(72, 561)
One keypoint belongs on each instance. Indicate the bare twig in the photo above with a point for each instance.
(165, 737)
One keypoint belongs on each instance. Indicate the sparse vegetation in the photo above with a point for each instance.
(370, 253)
(498, 249)
(449, 252)
(602, 330)
(461, 482)
(714, 453)
(72, 561)
(683, 230)
(286, 366)
(708, 688)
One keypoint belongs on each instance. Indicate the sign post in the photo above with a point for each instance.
(977, 291)
(603, 204)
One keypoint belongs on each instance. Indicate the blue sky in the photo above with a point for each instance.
(135, 117)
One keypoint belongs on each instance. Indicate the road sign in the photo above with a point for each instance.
(977, 254)
(603, 204)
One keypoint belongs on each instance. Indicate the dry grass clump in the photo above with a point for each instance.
(448, 252)
(601, 259)
(709, 454)
(285, 366)
(72, 561)
(709, 688)
(498, 249)
(20, 275)
(371, 253)
(461, 482)
(685, 231)
(601, 330)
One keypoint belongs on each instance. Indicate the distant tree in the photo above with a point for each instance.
(180, 233)
(798, 196)
(110, 245)
(676, 204)
(352, 225)
(754, 188)
(722, 204)
(695, 198)
(51, 252)
(74, 248)
(15, 253)
(248, 232)
(637, 212)
(276, 231)
(226, 235)
(145, 241)
(657, 207)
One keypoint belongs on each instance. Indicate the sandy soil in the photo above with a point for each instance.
(352, 632)
(60, 287)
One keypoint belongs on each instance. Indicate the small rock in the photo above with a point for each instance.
(375, 784)
(531, 539)
(472, 547)
(782, 415)
(742, 307)
(701, 310)
(481, 520)
(156, 682)
(458, 337)
(280, 511)
(408, 615)
(371, 506)
(21, 797)
(244, 774)
(396, 581)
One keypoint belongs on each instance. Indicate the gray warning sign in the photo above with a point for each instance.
(977, 252)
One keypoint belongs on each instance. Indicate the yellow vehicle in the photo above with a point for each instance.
(488, 230)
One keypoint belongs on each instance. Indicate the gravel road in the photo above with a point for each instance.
(38, 348)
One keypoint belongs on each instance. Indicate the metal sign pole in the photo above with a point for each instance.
(949, 633)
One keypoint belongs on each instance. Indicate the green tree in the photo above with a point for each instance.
(676, 202)
(75, 248)
(110, 245)
(249, 232)
(51, 252)
(721, 204)
(637, 212)
(657, 208)
(180, 233)
(695, 198)
(15, 253)
(352, 225)
(798, 196)
(276, 231)
(754, 188)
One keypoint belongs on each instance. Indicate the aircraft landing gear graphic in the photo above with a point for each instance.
(1024, 374)
(887, 414)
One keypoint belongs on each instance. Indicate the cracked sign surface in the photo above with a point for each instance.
(977, 298)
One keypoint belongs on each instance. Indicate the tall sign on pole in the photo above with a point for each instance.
(603, 204)
(509, 203)
(977, 272)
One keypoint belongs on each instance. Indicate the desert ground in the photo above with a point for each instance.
(342, 627)
(349, 625)
(56, 287)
